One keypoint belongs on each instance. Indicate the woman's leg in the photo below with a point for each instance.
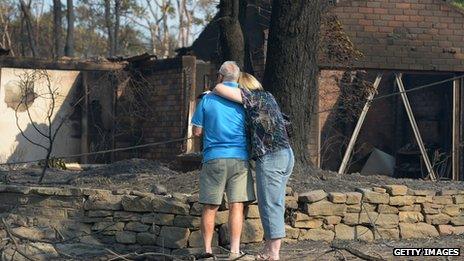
(260, 190)
(272, 173)
(274, 244)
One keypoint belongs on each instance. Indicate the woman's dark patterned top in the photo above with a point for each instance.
(265, 123)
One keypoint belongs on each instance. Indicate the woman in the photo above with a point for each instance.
(271, 149)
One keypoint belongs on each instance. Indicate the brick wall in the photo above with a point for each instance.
(386, 126)
(405, 34)
(167, 108)
(432, 109)
(168, 118)
(330, 142)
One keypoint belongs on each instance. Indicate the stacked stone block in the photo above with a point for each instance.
(132, 219)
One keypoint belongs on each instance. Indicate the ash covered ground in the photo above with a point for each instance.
(152, 176)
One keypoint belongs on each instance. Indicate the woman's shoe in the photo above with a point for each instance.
(262, 256)
(240, 256)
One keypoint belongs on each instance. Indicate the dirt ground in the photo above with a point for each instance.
(135, 174)
(334, 182)
(151, 176)
(301, 250)
(317, 250)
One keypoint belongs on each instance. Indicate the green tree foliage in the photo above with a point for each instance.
(459, 3)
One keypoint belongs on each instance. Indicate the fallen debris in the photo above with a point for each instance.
(355, 252)
(379, 163)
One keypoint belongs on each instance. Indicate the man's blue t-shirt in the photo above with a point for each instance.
(223, 124)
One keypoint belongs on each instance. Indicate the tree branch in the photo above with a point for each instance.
(356, 252)
(17, 249)
(22, 132)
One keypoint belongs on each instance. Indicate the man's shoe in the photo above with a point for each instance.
(205, 256)
(240, 256)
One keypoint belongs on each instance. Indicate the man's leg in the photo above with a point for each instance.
(207, 225)
(239, 189)
(212, 184)
(235, 225)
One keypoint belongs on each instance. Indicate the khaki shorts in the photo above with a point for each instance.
(230, 175)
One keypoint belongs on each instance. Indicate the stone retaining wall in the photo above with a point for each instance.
(131, 219)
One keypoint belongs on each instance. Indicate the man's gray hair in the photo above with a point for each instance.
(230, 71)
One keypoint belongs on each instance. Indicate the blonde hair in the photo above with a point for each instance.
(249, 82)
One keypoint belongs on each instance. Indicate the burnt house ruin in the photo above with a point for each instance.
(143, 100)
(422, 41)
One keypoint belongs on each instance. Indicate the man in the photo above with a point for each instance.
(225, 159)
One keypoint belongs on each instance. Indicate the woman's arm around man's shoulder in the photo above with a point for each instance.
(233, 94)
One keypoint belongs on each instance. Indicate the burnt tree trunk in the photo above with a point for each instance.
(231, 36)
(180, 34)
(23, 37)
(291, 72)
(109, 28)
(69, 47)
(247, 56)
(166, 41)
(26, 10)
(117, 21)
(57, 28)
